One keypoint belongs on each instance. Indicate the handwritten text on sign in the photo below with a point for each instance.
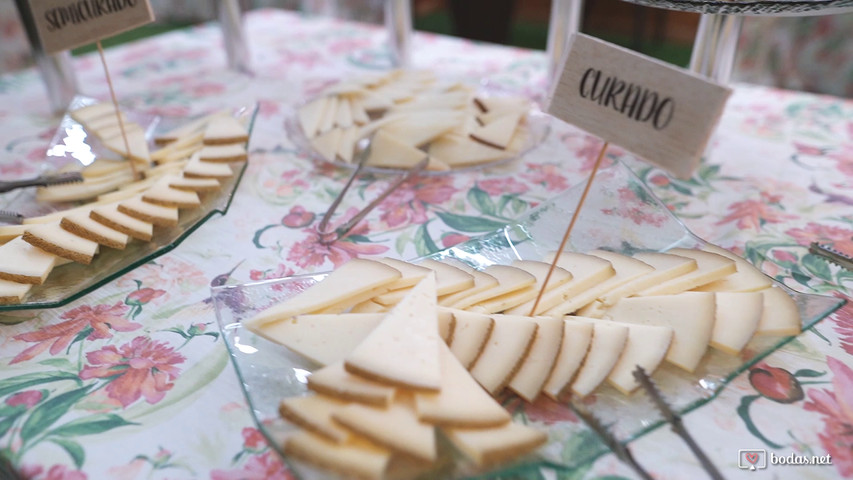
(66, 24)
(660, 112)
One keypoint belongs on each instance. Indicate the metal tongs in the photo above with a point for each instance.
(832, 255)
(41, 181)
(327, 236)
(674, 420)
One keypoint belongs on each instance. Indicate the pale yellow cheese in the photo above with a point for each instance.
(737, 318)
(446, 326)
(690, 314)
(93, 111)
(666, 267)
(646, 347)
(391, 297)
(354, 458)
(486, 446)
(410, 274)
(343, 116)
(577, 337)
(9, 232)
(337, 287)
(534, 371)
(448, 279)
(626, 268)
(108, 131)
(746, 279)
(608, 342)
(61, 242)
(498, 132)
(135, 140)
(193, 184)
(194, 128)
(458, 151)
(326, 143)
(322, 338)
(780, 314)
(93, 230)
(502, 104)
(461, 402)
(314, 413)
(195, 168)
(510, 279)
(368, 306)
(148, 212)
(225, 129)
(395, 427)
(386, 151)
(710, 267)
(359, 115)
(88, 188)
(232, 152)
(418, 129)
(165, 195)
(335, 381)
(482, 282)
(504, 352)
(587, 271)
(310, 116)
(110, 216)
(106, 121)
(539, 270)
(330, 112)
(471, 332)
(403, 349)
(13, 292)
(347, 143)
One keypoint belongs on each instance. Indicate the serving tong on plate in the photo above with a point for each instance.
(41, 181)
(329, 236)
(832, 255)
(621, 451)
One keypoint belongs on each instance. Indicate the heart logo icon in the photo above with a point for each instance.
(751, 457)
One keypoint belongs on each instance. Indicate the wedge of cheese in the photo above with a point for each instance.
(310, 116)
(158, 215)
(505, 350)
(501, 104)
(81, 224)
(322, 338)
(746, 279)
(608, 343)
(91, 112)
(314, 413)
(232, 152)
(418, 129)
(709, 267)
(470, 335)
(646, 347)
(737, 317)
(498, 132)
(356, 458)
(195, 168)
(448, 279)
(528, 381)
(13, 292)
(347, 143)
(482, 282)
(54, 239)
(164, 195)
(333, 380)
(780, 314)
(587, 271)
(458, 151)
(395, 427)
(510, 279)
(577, 337)
(666, 267)
(690, 315)
(410, 274)
(337, 287)
(135, 140)
(446, 326)
(539, 270)
(486, 446)
(84, 190)
(387, 151)
(461, 402)
(327, 143)
(330, 113)
(223, 130)
(403, 350)
(198, 185)
(191, 129)
(110, 216)
(626, 269)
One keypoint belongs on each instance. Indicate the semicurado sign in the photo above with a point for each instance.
(660, 112)
(66, 24)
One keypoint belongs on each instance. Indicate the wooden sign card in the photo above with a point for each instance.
(660, 112)
(66, 24)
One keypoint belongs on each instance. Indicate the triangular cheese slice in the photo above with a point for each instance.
(158, 215)
(482, 282)
(577, 337)
(314, 413)
(24, 263)
(91, 112)
(343, 117)
(337, 287)
(499, 132)
(403, 349)
(13, 292)
(396, 427)
(690, 314)
(359, 115)
(386, 151)
(505, 350)
(192, 128)
(137, 143)
(195, 168)
(330, 112)
(539, 270)
(746, 279)
(737, 318)
(471, 332)
(666, 267)
(501, 104)
(322, 338)
(448, 279)
(356, 458)
(587, 271)
(646, 347)
(458, 151)
(510, 279)
(461, 402)
(333, 380)
(234, 152)
(347, 144)
(410, 274)
(446, 326)
(110, 216)
(52, 238)
(164, 195)
(199, 185)
(418, 129)
(710, 267)
(531, 376)
(780, 314)
(608, 342)
(487, 446)
(310, 116)
(225, 129)
(81, 224)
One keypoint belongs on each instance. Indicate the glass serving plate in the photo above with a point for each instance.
(537, 123)
(753, 7)
(620, 214)
(71, 146)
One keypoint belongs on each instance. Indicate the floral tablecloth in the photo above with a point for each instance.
(133, 381)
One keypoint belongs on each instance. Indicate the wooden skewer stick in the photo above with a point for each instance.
(569, 229)
(133, 169)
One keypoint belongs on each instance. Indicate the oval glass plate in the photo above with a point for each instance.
(71, 145)
(537, 123)
(749, 7)
(621, 214)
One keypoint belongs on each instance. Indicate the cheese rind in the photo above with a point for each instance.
(470, 335)
(314, 413)
(666, 267)
(13, 292)
(485, 446)
(646, 347)
(504, 352)
(403, 350)
(534, 371)
(780, 314)
(335, 381)
(709, 267)
(54, 239)
(746, 279)
(737, 317)
(608, 343)
(359, 459)
(448, 279)
(509, 279)
(577, 337)
(110, 216)
(81, 224)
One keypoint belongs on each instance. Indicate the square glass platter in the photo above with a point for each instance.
(71, 148)
(621, 215)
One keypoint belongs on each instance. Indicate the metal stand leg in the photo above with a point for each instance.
(398, 22)
(234, 36)
(715, 46)
(564, 21)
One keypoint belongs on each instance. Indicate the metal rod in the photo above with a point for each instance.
(398, 22)
(234, 36)
(563, 22)
(715, 46)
